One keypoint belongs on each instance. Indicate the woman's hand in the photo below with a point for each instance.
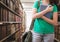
(49, 8)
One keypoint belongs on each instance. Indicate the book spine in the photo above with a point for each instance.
(3, 31)
(0, 13)
(8, 29)
(12, 28)
(4, 14)
(0, 32)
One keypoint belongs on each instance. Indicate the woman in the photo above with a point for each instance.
(44, 27)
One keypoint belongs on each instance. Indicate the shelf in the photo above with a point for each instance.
(10, 22)
(57, 40)
(3, 23)
(9, 35)
(1, 3)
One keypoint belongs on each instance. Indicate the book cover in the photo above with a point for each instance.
(43, 7)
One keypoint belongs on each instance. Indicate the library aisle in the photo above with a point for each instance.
(16, 18)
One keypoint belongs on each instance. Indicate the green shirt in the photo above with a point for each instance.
(40, 25)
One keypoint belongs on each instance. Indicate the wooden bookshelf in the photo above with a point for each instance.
(57, 40)
(57, 32)
(57, 28)
(11, 15)
(11, 22)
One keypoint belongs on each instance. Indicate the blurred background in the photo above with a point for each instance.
(27, 4)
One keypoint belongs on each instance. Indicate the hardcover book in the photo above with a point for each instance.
(43, 7)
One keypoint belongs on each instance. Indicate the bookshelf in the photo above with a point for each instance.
(57, 33)
(57, 28)
(11, 15)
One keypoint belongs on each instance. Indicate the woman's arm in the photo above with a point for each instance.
(54, 21)
(38, 15)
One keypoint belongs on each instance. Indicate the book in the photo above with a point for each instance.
(0, 13)
(8, 29)
(4, 14)
(17, 35)
(8, 16)
(0, 32)
(43, 7)
(8, 2)
(16, 26)
(12, 28)
(3, 31)
(11, 5)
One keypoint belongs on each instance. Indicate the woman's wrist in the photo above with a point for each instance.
(46, 10)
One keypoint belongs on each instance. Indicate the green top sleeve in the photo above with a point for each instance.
(55, 8)
(35, 5)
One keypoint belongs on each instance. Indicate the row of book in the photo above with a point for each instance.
(8, 29)
(7, 16)
(12, 4)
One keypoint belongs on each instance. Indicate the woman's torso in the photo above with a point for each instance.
(41, 26)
